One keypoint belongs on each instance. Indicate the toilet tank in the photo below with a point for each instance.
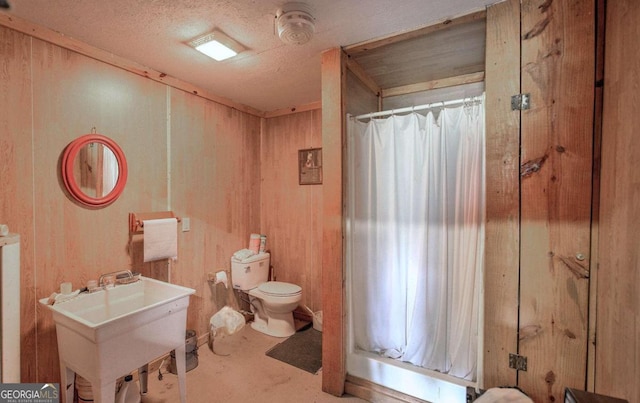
(249, 273)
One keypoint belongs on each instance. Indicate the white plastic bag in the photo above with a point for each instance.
(226, 321)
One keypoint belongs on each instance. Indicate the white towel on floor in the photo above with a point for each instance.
(160, 239)
(503, 395)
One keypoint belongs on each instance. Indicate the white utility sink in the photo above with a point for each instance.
(109, 333)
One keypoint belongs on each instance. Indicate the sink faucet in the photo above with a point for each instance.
(109, 279)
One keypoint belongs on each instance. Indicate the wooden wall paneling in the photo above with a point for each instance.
(502, 240)
(294, 109)
(193, 196)
(618, 312)
(235, 206)
(360, 100)
(16, 172)
(333, 293)
(215, 182)
(159, 269)
(67, 42)
(558, 42)
(291, 214)
(236, 154)
(63, 241)
(595, 197)
(73, 243)
(282, 195)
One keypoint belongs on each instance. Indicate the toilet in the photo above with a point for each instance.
(272, 302)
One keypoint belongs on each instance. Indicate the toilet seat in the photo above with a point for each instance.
(280, 289)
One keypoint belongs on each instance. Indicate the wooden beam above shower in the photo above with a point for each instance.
(367, 46)
(434, 84)
(446, 54)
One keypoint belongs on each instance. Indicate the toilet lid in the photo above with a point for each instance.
(278, 288)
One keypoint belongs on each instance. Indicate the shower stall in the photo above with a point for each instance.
(414, 247)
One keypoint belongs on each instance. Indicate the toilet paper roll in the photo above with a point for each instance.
(221, 277)
(4, 230)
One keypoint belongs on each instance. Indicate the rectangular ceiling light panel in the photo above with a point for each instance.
(217, 45)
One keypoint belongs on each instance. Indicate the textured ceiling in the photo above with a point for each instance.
(269, 75)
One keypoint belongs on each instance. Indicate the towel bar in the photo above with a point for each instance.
(136, 220)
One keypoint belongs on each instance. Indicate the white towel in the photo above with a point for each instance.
(503, 395)
(160, 239)
(242, 254)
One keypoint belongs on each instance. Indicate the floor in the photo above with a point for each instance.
(240, 371)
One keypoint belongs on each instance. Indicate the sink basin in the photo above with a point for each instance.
(109, 333)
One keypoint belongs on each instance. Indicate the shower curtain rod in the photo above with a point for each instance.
(419, 108)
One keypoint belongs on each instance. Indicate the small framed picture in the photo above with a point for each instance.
(310, 166)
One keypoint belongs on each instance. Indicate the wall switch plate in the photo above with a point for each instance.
(186, 224)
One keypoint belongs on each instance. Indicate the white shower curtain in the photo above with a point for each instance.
(416, 213)
(110, 171)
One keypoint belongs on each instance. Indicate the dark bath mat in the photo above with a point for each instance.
(302, 350)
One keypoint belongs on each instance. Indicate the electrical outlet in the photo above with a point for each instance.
(186, 224)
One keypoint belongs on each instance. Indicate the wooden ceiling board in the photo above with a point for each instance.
(447, 52)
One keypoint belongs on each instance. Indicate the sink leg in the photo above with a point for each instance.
(143, 373)
(104, 393)
(67, 382)
(182, 373)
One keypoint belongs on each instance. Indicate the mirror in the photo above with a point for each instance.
(94, 170)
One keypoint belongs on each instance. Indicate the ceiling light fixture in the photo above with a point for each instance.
(295, 24)
(217, 45)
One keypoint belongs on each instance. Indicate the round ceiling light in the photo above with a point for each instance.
(295, 27)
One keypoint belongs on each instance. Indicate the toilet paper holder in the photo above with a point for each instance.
(221, 276)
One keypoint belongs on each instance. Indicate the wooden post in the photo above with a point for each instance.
(333, 293)
(502, 237)
(617, 366)
(558, 64)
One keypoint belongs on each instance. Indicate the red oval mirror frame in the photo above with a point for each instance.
(68, 160)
